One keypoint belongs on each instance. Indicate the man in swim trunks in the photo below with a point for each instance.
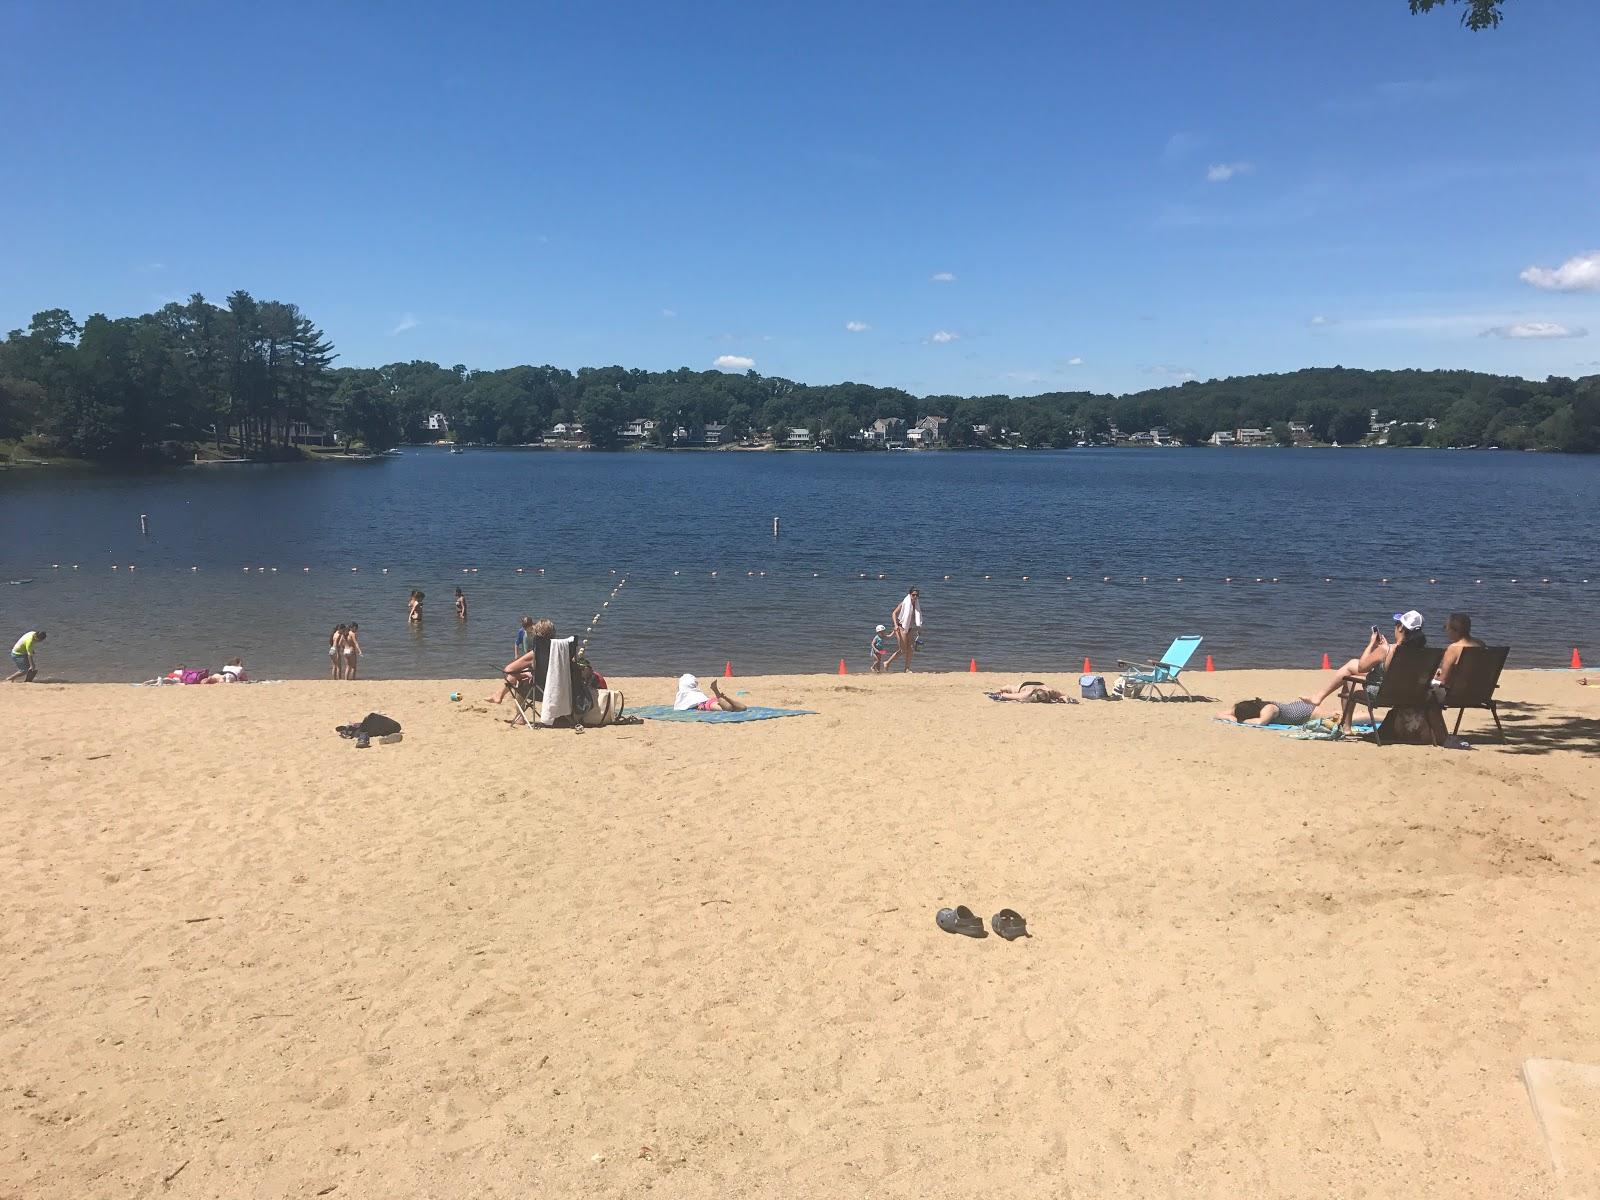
(22, 657)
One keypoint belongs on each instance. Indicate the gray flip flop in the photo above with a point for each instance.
(962, 920)
(1009, 924)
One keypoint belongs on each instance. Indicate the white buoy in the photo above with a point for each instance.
(194, 568)
(775, 526)
(144, 524)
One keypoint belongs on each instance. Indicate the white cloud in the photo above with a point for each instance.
(1319, 321)
(409, 321)
(944, 337)
(1580, 274)
(733, 362)
(1534, 329)
(669, 313)
(1075, 361)
(942, 277)
(1222, 172)
(857, 326)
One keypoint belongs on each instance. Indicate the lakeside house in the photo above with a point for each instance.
(1223, 437)
(564, 431)
(298, 433)
(798, 439)
(638, 430)
(437, 423)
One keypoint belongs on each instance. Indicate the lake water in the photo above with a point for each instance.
(1476, 531)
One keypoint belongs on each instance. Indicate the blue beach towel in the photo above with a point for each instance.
(696, 716)
(1357, 728)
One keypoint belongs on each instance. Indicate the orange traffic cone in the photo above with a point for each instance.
(1209, 667)
(727, 670)
(1577, 663)
(842, 670)
(1087, 668)
(1326, 665)
(973, 666)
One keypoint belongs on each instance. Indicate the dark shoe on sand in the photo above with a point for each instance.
(1009, 924)
(962, 920)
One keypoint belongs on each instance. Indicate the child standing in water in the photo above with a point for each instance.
(414, 608)
(461, 605)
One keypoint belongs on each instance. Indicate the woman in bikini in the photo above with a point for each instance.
(414, 608)
(336, 652)
(461, 605)
(352, 649)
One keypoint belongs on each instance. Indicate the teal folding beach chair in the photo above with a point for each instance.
(1138, 678)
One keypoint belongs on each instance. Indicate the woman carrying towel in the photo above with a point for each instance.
(907, 624)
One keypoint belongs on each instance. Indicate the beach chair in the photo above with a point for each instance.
(1473, 681)
(1408, 683)
(1138, 677)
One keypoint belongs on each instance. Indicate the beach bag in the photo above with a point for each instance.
(606, 709)
(377, 725)
(583, 686)
(193, 675)
(1093, 687)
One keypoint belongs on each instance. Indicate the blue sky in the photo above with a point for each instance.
(941, 196)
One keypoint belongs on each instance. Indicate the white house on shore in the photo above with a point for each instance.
(438, 423)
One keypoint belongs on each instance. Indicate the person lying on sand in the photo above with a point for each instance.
(691, 697)
(1031, 693)
(233, 672)
(1271, 712)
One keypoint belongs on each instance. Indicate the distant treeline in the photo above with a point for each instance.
(189, 373)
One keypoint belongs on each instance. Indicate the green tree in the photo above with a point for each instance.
(603, 412)
(1479, 14)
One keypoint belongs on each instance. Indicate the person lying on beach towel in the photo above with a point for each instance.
(1298, 711)
(690, 696)
(1030, 693)
(233, 672)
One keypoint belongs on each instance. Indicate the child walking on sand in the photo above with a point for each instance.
(883, 648)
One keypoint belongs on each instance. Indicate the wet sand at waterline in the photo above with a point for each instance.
(245, 958)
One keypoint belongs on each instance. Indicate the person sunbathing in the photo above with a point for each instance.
(1271, 712)
(529, 667)
(690, 697)
(1458, 628)
(1369, 666)
(1031, 693)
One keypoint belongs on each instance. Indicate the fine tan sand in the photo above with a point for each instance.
(242, 958)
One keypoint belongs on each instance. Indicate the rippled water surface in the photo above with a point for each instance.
(1476, 531)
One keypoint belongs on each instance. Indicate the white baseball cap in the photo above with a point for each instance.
(882, 629)
(1410, 620)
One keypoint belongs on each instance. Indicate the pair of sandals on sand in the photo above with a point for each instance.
(1008, 923)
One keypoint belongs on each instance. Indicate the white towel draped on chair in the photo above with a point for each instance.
(557, 701)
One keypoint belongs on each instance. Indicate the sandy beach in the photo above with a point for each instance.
(242, 958)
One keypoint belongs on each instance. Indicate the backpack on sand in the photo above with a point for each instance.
(1093, 687)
